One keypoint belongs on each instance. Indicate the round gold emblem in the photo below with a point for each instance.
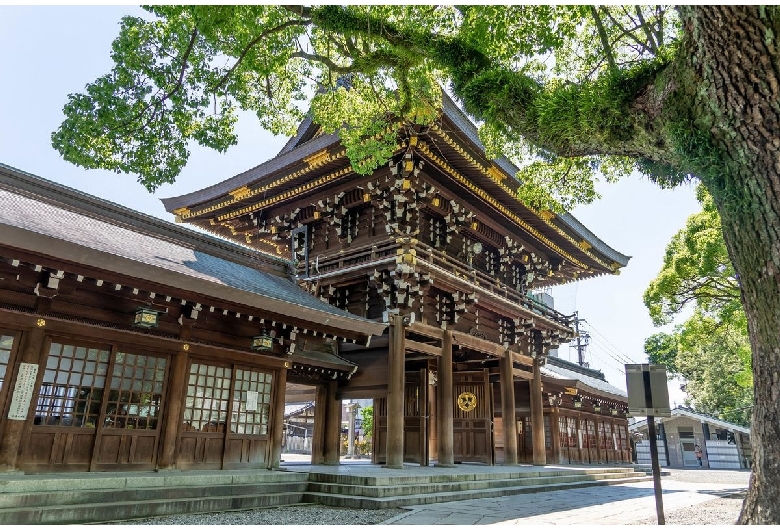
(467, 401)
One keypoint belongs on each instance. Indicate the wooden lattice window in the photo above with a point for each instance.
(603, 435)
(251, 402)
(547, 433)
(563, 439)
(609, 440)
(572, 432)
(590, 434)
(72, 388)
(621, 437)
(135, 392)
(208, 396)
(6, 345)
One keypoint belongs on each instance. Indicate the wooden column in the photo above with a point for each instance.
(177, 382)
(555, 435)
(508, 409)
(395, 393)
(332, 426)
(537, 415)
(277, 420)
(599, 451)
(446, 452)
(318, 438)
(30, 351)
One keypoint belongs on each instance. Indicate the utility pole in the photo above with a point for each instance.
(582, 341)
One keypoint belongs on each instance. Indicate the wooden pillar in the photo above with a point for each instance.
(537, 415)
(555, 435)
(446, 453)
(332, 426)
(395, 393)
(13, 434)
(277, 419)
(320, 421)
(177, 383)
(508, 409)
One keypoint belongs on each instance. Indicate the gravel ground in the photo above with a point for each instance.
(723, 511)
(717, 511)
(297, 515)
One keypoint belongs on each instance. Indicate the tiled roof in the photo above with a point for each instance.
(137, 239)
(560, 369)
(689, 413)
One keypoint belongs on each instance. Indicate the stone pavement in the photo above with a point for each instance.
(620, 504)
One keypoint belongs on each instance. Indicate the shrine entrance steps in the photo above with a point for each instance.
(428, 485)
(67, 498)
(115, 496)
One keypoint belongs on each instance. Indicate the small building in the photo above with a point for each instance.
(130, 343)
(724, 445)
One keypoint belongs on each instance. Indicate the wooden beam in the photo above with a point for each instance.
(428, 349)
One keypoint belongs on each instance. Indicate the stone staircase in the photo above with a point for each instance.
(90, 497)
(102, 497)
(390, 492)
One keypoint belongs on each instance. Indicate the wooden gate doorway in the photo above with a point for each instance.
(415, 421)
(473, 417)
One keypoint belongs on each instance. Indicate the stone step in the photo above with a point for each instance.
(422, 478)
(119, 511)
(461, 484)
(130, 480)
(94, 496)
(374, 503)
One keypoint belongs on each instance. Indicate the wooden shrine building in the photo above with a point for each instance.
(436, 244)
(130, 343)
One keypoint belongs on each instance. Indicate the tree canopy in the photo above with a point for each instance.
(573, 93)
(711, 349)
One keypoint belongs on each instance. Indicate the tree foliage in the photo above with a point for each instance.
(367, 415)
(711, 349)
(572, 93)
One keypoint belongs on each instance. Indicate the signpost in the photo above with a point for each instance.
(648, 396)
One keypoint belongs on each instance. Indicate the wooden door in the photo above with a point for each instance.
(247, 438)
(68, 405)
(590, 439)
(472, 417)
(129, 433)
(206, 408)
(415, 421)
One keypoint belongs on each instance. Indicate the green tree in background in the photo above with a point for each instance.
(569, 92)
(711, 349)
(367, 414)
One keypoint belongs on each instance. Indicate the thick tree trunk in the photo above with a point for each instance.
(735, 61)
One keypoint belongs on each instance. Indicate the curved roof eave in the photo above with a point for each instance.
(459, 118)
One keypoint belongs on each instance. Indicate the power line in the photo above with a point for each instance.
(614, 348)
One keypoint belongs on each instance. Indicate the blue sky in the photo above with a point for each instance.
(47, 52)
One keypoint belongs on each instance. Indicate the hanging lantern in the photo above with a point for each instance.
(262, 342)
(596, 407)
(577, 402)
(145, 318)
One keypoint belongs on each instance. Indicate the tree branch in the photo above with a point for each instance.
(603, 37)
(253, 43)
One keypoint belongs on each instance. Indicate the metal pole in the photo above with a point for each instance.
(659, 501)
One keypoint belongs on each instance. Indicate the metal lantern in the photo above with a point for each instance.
(614, 411)
(597, 407)
(577, 402)
(145, 318)
(262, 342)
